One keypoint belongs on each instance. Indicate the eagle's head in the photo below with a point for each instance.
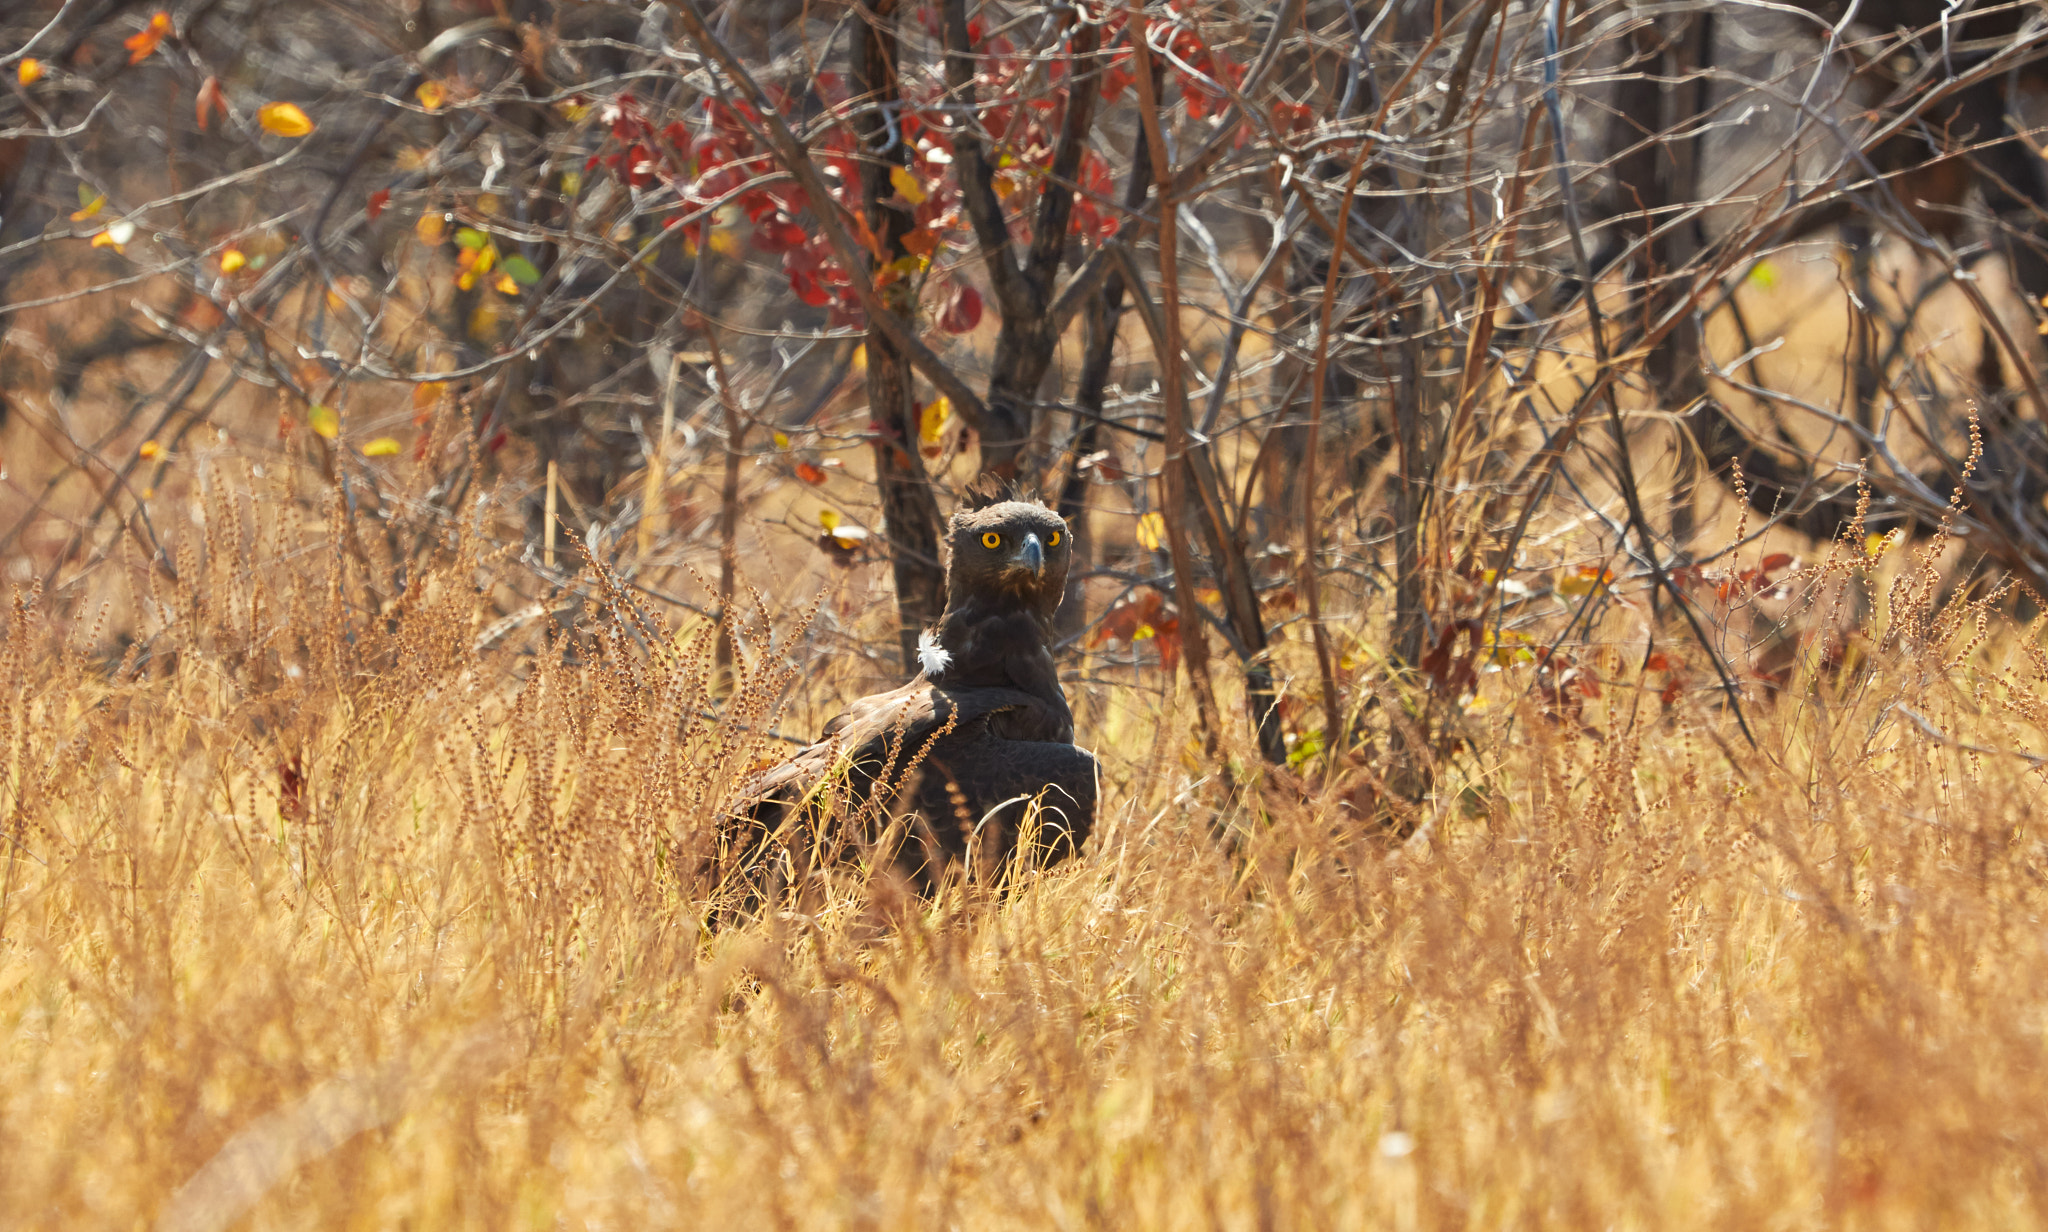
(1016, 551)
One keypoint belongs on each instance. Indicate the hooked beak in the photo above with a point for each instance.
(1032, 554)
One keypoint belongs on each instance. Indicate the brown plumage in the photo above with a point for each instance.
(979, 735)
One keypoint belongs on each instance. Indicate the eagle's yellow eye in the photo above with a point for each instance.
(991, 541)
(1054, 541)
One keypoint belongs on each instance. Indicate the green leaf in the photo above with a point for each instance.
(521, 269)
(470, 237)
(1306, 745)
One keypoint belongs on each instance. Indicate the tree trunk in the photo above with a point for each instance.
(910, 511)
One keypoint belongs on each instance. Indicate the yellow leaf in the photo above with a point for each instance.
(432, 94)
(572, 183)
(828, 518)
(94, 206)
(1583, 581)
(906, 185)
(1764, 277)
(149, 449)
(485, 320)
(432, 227)
(232, 260)
(325, 421)
(931, 421)
(383, 447)
(782, 442)
(860, 358)
(1152, 531)
(1878, 545)
(466, 280)
(29, 72)
(505, 285)
(284, 119)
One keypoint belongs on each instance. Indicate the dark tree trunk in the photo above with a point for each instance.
(910, 511)
(1023, 284)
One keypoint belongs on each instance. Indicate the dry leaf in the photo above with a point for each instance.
(1151, 531)
(140, 44)
(931, 421)
(284, 119)
(906, 185)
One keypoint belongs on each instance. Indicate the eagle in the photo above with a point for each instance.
(979, 742)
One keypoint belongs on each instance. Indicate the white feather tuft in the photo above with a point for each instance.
(933, 657)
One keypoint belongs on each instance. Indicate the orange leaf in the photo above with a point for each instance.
(232, 260)
(810, 474)
(210, 98)
(29, 72)
(432, 95)
(284, 119)
(140, 44)
(921, 243)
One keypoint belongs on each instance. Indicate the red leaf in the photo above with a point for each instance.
(639, 166)
(780, 234)
(1776, 560)
(1657, 663)
(807, 289)
(962, 312)
(378, 200)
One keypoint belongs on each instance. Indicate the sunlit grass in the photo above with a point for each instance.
(316, 919)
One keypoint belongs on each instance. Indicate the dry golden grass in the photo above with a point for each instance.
(316, 917)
